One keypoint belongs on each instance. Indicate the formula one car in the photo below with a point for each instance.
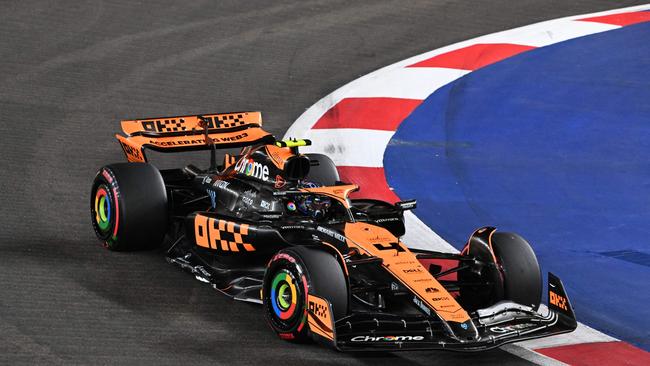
(273, 226)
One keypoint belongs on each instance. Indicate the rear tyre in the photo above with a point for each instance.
(522, 278)
(293, 273)
(128, 206)
(325, 172)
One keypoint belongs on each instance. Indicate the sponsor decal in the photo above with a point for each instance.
(444, 298)
(405, 338)
(213, 198)
(224, 120)
(283, 256)
(387, 219)
(510, 328)
(412, 270)
(406, 262)
(230, 138)
(265, 205)
(211, 192)
(331, 233)
(217, 234)
(177, 142)
(431, 290)
(247, 197)
(291, 206)
(464, 326)
(558, 300)
(165, 125)
(380, 238)
(318, 309)
(422, 306)
(425, 279)
(459, 316)
(197, 141)
(292, 227)
(394, 286)
(252, 168)
(406, 205)
(270, 216)
(107, 176)
(132, 153)
(220, 184)
(279, 182)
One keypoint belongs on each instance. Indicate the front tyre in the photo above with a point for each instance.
(522, 278)
(292, 274)
(128, 206)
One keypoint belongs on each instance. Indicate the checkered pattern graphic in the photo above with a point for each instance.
(224, 235)
(229, 120)
(164, 125)
(186, 124)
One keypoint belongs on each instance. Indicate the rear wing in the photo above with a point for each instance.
(187, 133)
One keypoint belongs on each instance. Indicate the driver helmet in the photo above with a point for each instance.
(315, 206)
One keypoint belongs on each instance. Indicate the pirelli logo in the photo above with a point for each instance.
(221, 235)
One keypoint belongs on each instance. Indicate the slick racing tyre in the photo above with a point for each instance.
(290, 275)
(522, 278)
(128, 206)
(324, 171)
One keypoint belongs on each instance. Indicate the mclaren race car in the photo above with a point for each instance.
(270, 225)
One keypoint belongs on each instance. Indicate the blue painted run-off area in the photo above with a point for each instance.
(554, 144)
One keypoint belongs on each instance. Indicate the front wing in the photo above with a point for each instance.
(502, 323)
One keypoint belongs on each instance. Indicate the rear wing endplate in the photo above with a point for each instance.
(187, 133)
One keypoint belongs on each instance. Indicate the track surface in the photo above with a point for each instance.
(71, 71)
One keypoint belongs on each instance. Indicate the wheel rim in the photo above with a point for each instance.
(284, 296)
(103, 211)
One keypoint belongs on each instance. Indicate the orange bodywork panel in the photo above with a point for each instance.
(183, 133)
(279, 155)
(134, 153)
(398, 260)
(319, 317)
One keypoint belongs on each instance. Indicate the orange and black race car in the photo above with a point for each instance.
(273, 226)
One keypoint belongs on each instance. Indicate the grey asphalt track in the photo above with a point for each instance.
(70, 70)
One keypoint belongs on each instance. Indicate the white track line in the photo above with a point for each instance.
(350, 146)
